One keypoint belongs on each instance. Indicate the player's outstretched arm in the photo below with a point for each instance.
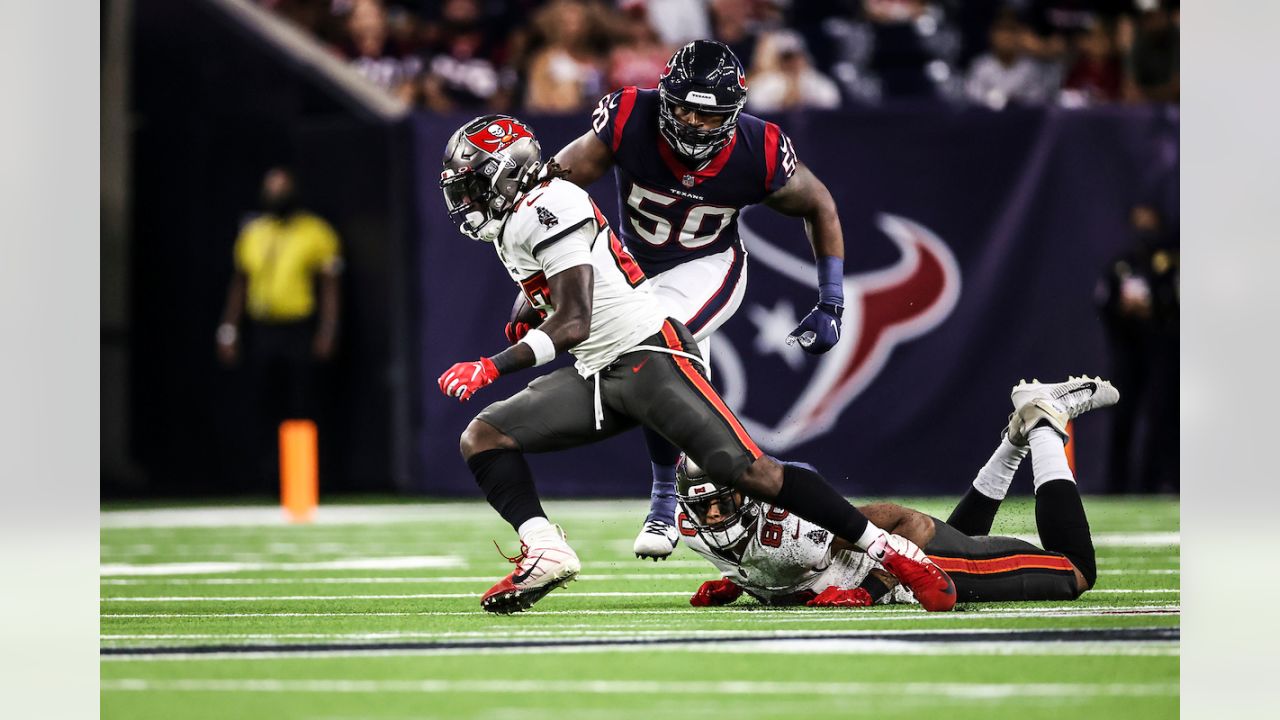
(805, 196)
(587, 159)
(568, 326)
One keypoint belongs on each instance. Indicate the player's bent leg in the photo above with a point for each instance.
(977, 509)
(545, 561)
(553, 412)
(705, 291)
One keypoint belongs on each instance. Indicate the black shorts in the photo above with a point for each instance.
(989, 568)
(666, 393)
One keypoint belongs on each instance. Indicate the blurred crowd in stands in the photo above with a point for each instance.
(562, 55)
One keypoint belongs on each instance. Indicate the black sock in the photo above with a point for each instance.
(507, 482)
(1063, 526)
(974, 513)
(875, 587)
(806, 494)
(661, 452)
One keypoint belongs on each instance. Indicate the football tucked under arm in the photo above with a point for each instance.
(523, 319)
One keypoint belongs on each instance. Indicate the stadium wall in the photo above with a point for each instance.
(974, 239)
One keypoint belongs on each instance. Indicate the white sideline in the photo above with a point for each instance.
(958, 691)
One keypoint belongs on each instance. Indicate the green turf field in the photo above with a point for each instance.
(241, 591)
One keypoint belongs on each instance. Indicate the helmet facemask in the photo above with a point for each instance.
(691, 143)
(488, 163)
(721, 515)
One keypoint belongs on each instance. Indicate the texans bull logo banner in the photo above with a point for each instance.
(974, 242)
(883, 308)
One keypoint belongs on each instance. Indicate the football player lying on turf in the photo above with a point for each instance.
(783, 560)
(635, 366)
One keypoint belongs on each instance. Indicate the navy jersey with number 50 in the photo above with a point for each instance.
(670, 212)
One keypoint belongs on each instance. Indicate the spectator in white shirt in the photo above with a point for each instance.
(785, 78)
(1007, 74)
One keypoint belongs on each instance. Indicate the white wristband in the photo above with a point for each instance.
(544, 350)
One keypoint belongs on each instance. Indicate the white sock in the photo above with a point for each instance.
(996, 476)
(1048, 457)
(869, 536)
(532, 525)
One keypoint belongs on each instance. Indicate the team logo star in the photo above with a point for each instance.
(772, 327)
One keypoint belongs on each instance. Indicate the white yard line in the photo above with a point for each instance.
(399, 562)
(1123, 539)
(490, 579)
(413, 596)
(273, 516)
(508, 688)
(454, 596)
(449, 579)
(740, 614)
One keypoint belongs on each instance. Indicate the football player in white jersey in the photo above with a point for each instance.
(781, 559)
(635, 366)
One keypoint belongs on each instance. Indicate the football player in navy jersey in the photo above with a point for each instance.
(687, 161)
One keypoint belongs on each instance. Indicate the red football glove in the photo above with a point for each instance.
(840, 597)
(464, 379)
(716, 592)
(516, 330)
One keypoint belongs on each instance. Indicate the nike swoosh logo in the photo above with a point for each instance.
(1088, 387)
(517, 578)
(636, 369)
(532, 200)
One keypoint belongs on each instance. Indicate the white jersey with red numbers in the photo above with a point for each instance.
(786, 558)
(556, 226)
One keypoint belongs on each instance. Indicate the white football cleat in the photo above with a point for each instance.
(657, 540)
(545, 563)
(1077, 396)
(1056, 403)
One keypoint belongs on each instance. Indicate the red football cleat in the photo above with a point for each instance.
(545, 563)
(932, 587)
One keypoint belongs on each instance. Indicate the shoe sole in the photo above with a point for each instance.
(514, 601)
(656, 555)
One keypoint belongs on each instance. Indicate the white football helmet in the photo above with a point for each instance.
(734, 515)
(488, 163)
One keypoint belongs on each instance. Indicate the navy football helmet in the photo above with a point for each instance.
(707, 77)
